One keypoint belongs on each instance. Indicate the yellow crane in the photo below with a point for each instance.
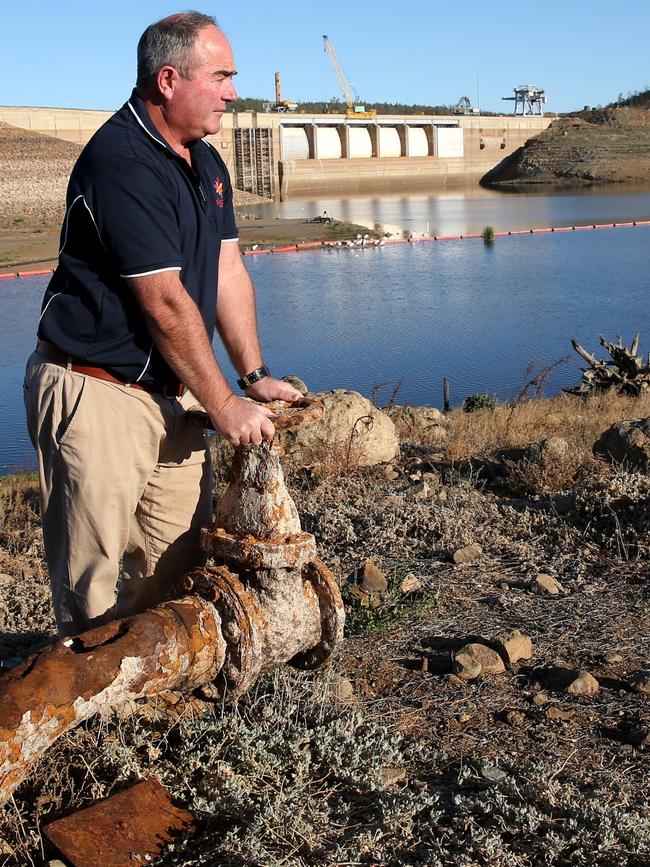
(354, 107)
(282, 104)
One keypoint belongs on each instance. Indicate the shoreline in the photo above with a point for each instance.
(338, 235)
(37, 245)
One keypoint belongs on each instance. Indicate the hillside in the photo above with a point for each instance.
(604, 145)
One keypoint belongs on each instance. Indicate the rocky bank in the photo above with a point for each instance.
(606, 145)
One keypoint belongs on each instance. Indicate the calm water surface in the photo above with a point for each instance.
(417, 313)
(464, 211)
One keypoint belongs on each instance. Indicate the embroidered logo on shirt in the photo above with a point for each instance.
(218, 188)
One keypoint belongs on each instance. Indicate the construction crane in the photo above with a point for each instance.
(464, 106)
(354, 106)
(281, 104)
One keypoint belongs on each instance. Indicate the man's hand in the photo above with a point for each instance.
(243, 422)
(269, 388)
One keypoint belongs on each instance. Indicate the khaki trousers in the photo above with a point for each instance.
(125, 486)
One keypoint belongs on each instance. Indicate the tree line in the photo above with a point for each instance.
(634, 99)
(337, 106)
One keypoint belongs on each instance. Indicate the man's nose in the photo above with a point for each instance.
(230, 94)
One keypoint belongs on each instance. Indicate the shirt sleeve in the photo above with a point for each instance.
(230, 230)
(135, 210)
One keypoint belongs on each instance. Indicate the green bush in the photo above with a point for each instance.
(474, 402)
(488, 234)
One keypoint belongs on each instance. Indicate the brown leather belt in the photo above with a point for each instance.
(54, 355)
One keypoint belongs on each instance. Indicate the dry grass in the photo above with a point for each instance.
(580, 422)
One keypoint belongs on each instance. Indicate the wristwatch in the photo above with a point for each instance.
(254, 376)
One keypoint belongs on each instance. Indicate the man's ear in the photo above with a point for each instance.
(166, 81)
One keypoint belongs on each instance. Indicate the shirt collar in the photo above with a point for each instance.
(139, 111)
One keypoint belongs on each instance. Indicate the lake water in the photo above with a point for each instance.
(413, 314)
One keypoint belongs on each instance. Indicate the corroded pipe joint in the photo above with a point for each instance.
(248, 553)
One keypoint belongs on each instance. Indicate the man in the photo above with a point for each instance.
(149, 263)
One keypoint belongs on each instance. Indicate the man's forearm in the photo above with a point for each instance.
(178, 331)
(237, 319)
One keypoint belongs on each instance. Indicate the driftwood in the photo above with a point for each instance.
(267, 600)
(626, 373)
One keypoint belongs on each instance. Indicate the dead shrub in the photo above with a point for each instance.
(528, 478)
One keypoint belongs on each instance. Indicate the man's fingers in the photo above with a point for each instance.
(268, 430)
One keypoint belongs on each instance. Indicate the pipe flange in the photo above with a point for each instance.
(246, 553)
(332, 616)
(241, 621)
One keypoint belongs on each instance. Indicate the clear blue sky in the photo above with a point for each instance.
(70, 53)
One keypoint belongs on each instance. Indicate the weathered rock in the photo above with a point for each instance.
(493, 773)
(469, 554)
(353, 433)
(640, 682)
(627, 443)
(540, 698)
(410, 584)
(514, 646)
(421, 424)
(557, 714)
(421, 491)
(583, 684)
(297, 383)
(373, 579)
(546, 584)
(6, 580)
(612, 657)
(476, 660)
(515, 718)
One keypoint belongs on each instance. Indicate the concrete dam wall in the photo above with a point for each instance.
(287, 155)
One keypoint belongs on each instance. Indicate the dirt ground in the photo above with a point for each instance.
(32, 195)
(388, 758)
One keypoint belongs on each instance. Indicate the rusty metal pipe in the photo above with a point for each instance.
(267, 600)
(177, 645)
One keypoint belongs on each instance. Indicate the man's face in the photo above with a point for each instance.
(198, 103)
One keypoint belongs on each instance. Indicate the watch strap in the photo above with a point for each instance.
(245, 382)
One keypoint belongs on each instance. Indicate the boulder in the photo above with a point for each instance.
(373, 579)
(514, 646)
(410, 584)
(352, 433)
(627, 443)
(476, 660)
(584, 684)
(546, 584)
(548, 452)
(421, 424)
(468, 554)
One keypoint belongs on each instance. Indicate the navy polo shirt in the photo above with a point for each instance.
(134, 208)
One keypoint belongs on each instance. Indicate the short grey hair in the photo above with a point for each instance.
(170, 42)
